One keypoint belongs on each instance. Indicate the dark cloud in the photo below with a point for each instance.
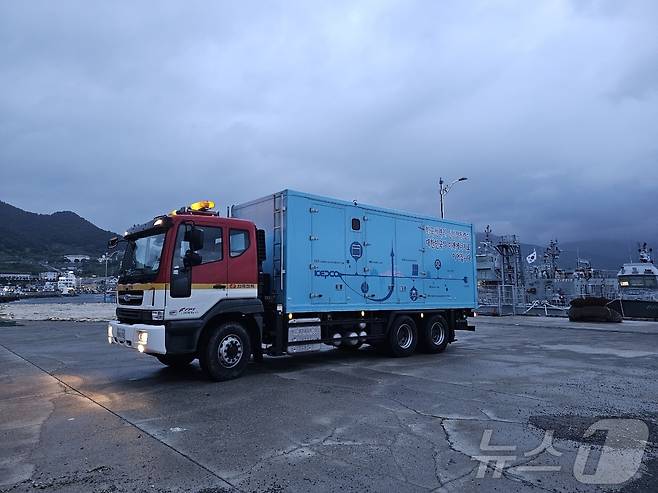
(121, 111)
(640, 83)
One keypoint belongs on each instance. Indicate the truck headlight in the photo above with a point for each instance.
(157, 315)
(142, 337)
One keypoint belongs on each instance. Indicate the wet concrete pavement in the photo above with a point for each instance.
(79, 415)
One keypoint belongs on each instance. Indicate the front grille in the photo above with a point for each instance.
(130, 297)
(128, 316)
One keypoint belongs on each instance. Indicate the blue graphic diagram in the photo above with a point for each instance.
(356, 252)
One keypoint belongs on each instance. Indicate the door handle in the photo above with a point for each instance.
(219, 286)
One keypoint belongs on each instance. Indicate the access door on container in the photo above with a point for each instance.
(378, 270)
(448, 261)
(209, 279)
(410, 261)
(327, 244)
(355, 260)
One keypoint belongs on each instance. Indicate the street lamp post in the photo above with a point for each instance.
(444, 189)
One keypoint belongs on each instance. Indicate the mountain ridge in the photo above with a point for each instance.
(602, 254)
(28, 235)
(34, 237)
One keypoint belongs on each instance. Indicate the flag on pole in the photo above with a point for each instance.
(532, 257)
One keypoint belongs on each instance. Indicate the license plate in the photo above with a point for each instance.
(305, 348)
(121, 333)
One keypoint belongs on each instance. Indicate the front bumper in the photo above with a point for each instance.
(127, 335)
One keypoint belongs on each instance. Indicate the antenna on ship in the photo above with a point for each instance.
(485, 245)
(511, 268)
(645, 253)
(551, 255)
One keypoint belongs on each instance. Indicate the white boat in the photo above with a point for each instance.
(638, 287)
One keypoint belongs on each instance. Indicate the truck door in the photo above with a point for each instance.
(209, 279)
(328, 265)
(242, 262)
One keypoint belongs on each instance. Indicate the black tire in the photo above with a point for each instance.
(435, 335)
(225, 352)
(175, 360)
(402, 336)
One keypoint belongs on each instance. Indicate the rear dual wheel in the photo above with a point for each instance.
(402, 336)
(435, 335)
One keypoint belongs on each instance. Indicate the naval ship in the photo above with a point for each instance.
(549, 283)
(511, 284)
(499, 275)
(638, 287)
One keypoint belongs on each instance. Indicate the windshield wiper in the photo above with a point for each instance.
(135, 270)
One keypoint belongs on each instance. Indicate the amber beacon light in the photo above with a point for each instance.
(202, 205)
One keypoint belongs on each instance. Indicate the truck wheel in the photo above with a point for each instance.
(175, 360)
(435, 335)
(402, 336)
(226, 352)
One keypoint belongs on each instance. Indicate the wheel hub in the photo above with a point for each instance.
(438, 334)
(405, 336)
(230, 351)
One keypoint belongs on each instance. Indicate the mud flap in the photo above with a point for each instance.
(463, 325)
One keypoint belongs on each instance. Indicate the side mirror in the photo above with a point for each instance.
(113, 242)
(191, 259)
(194, 237)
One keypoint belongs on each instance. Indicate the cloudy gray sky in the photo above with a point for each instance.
(123, 110)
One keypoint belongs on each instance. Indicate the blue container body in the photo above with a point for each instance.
(328, 255)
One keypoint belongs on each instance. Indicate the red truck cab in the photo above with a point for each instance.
(178, 272)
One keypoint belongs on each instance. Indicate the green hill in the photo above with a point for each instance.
(27, 238)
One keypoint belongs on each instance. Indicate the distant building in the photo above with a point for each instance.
(49, 276)
(76, 258)
(68, 283)
(8, 276)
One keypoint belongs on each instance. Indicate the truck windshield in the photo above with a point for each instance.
(141, 261)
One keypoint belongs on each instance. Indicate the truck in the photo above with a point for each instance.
(290, 273)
